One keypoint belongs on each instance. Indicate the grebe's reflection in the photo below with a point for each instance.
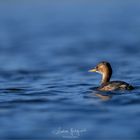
(102, 95)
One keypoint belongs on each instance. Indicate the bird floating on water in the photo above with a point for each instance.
(104, 68)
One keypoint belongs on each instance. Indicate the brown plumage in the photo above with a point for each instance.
(104, 68)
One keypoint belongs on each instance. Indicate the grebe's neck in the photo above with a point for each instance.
(106, 76)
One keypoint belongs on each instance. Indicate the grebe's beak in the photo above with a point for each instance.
(92, 70)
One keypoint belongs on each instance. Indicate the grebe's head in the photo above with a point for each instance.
(103, 68)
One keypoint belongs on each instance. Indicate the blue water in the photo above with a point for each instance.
(46, 50)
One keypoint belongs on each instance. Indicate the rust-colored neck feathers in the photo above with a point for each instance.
(105, 69)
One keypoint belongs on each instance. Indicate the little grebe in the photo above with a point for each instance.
(104, 68)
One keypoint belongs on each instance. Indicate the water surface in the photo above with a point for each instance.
(46, 50)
